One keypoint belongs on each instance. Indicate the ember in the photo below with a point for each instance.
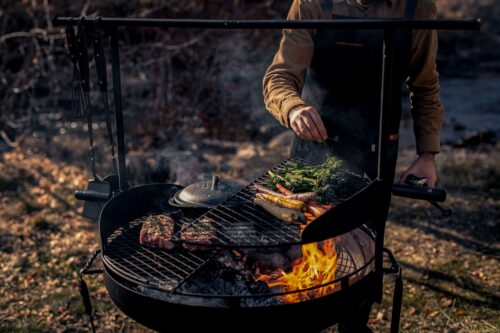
(316, 267)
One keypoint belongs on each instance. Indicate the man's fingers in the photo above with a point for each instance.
(304, 129)
(320, 126)
(297, 131)
(432, 182)
(403, 177)
(298, 128)
(307, 124)
(316, 136)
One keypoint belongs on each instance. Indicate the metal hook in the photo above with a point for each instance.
(446, 212)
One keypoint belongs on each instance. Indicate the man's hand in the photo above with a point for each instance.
(422, 167)
(307, 124)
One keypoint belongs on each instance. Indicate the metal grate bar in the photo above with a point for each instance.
(252, 216)
(249, 222)
(171, 259)
(164, 269)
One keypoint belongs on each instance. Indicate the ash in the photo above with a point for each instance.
(228, 281)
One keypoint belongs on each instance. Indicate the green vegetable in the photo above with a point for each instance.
(329, 179)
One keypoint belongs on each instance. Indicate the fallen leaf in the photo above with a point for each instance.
(446, 302)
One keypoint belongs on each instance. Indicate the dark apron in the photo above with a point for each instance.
(344, 84)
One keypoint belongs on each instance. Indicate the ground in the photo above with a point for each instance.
(451, 265)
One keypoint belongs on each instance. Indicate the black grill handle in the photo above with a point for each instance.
(87, 195)
(419, 192)
(100, 60)
(83, 57)
(71, 40)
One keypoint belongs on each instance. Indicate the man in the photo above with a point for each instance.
(336, 104)
(325, 86)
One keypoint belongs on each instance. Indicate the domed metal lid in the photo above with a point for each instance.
(207, 193)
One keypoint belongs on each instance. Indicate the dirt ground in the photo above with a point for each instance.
(451, 265)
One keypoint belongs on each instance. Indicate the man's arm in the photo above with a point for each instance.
(284, 79)
(426, 107)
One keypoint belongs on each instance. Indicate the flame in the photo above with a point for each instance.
(316, 267)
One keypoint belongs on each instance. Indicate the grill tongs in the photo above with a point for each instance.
(98, 190)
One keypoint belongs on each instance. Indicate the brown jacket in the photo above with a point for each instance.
(284, 79)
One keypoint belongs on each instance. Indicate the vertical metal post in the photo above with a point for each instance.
(382, 163)
(385, 103)
(117, 92)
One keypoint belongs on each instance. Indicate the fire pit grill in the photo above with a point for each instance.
(131, 271)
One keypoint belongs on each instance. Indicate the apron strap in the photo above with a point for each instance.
(326, 9)
(410, 9)
(407, 41)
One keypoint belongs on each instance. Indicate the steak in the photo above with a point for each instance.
(203, 232)
(157, 231)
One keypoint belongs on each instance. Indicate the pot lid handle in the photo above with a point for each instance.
(215, 181)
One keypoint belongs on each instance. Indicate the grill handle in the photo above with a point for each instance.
(92, 195)
(419, 192)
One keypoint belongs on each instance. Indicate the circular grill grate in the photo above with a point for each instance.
(167, 269)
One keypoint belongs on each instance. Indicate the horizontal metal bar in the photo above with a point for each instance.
(441, 24)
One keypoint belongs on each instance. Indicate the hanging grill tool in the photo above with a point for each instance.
(76, 98)
(98, 190)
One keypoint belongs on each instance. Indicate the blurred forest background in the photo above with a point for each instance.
(193, 106)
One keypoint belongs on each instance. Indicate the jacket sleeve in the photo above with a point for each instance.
(284, 79)
(423, 83)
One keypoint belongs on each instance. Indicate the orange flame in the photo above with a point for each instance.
(316, 267)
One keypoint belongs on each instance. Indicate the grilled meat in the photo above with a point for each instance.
(202, 232)
(157, 231)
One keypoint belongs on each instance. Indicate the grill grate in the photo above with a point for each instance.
(159, 268)
(166, 270)
(345, 263)
(235, 223)
(238, 223)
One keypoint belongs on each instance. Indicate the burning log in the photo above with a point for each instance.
(315, 268)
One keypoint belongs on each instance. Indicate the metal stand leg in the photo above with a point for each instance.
(84, 290)
(117, 92)
(397, 300)
(397, 303)
(382, 159)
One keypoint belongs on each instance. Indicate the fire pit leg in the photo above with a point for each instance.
(397, 300)
(84, 290)
(117, 93)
